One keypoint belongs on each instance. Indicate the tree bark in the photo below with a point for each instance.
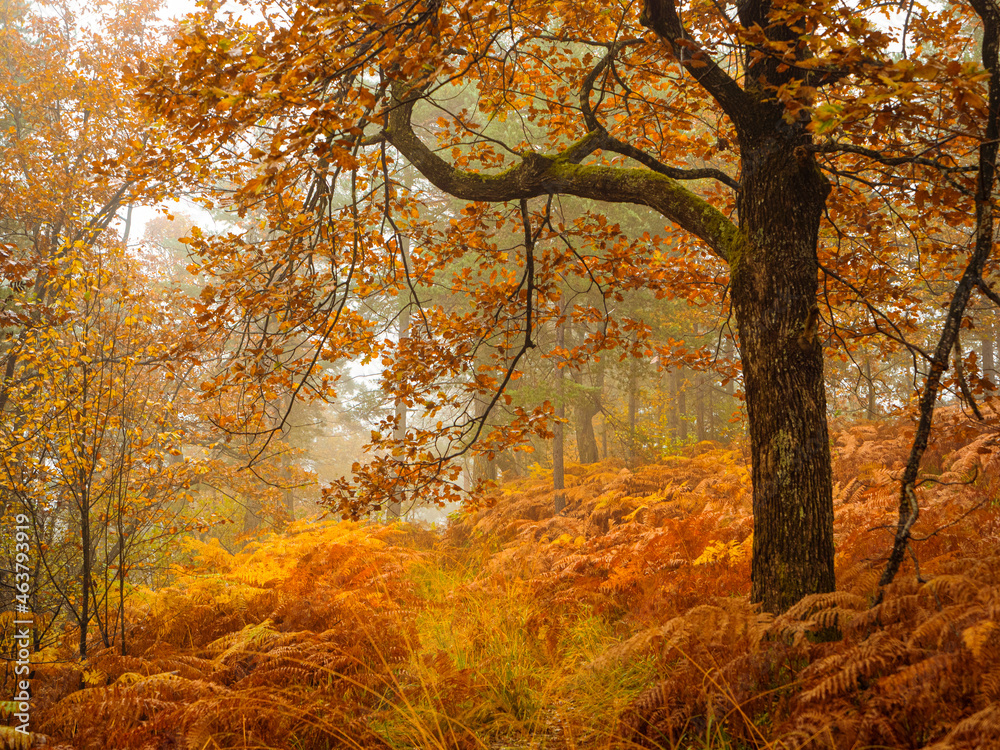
(588, 406)
(86, 570)
(395, 509)
(252, 515)
(633, 389)
(586, 439)
(558, 440)
(870, 380)
(484, 468)
(711, 428)
(680, 407)
(586, 402)
(774, 281)
(699, 407)
(989, 350)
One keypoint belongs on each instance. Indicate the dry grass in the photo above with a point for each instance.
(621, 623)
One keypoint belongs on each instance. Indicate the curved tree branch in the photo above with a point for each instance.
(660, 17)
(545, 174)
(610, 143)
(833, 147)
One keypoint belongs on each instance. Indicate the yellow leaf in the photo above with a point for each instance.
(976, 636)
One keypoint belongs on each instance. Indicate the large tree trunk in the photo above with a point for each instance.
(774, 295)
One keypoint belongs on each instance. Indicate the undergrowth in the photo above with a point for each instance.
(622, 622)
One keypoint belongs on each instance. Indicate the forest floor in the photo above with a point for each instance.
(622, 622)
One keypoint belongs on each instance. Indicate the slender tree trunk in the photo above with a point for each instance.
(287, 494)
(587, 406)
(83, 479)
(251, 515)
(989, 350)
(484, 469)
(586, 438)
(586, 402)
(36, 605)
(289, 498)
(710, 409)
(774, 280)
(674, 415)
(872, 405)
(558, 441)
(86, 571)
(680, 406)
(633, 388)
(661, 403)
(121, 586)
(699, 407)
(395, 510)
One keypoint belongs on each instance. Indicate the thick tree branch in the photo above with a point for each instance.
(547, 174)
(660, 17)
